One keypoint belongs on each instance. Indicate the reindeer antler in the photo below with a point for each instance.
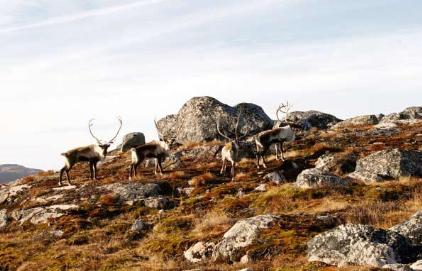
(118, 131)
(218, 130)
(283, 108)
(90, 124)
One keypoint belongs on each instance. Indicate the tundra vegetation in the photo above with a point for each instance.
(151, 222)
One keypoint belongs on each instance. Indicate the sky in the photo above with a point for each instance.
(63, 62)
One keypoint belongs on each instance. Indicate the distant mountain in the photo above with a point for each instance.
(11, 172)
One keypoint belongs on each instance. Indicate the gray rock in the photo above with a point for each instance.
(261, 188)
(417, 266)
(135, 191)
(196, 120)
(275, 177)
(138, 226)
(132, 140)
(160, 203)
(309, 119)
(356, 121)
(339, 163)
(359, 245)
(243, 234)
(39, 215)
(4, 218)
(411, 229)
(57, 233)
(316, 178)
(414, 112)
(199, 252)
(397, 267)
(388, 165)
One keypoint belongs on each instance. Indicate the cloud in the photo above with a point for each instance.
(82, 15)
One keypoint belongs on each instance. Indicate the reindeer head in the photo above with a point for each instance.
(107, 144)
(237, 138)
(283, 108)
(165, 144)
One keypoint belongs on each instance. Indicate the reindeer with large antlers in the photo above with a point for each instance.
(277, 135)
(230, 151)
(91, 154)
(155, 150)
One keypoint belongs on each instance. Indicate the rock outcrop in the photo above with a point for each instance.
(388, 165)
(317, 178)
(135, 192)
(196, 120)
(312, 118)
(359, 245)
(357, 121)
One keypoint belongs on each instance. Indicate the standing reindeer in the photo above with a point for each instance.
(230, 151)
(157, 150)
(91, 154)
(277, 135)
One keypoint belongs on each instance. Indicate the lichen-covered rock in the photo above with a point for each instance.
(388, 165)
(4, 218)
(196, 120)
(160, 203)
(411, 229)
(359, 245)
(339, 163)
(397, 267)
(275, 177)
(243, 234)
(312, 118)
(132, 140)
(40, 215)
(137, 191)
(316, 178)
(138, 226)
(410, 113)
(199, 252)
(356, 121)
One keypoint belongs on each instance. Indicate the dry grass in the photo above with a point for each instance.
(203, 179)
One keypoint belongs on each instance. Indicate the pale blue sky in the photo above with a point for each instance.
(64, 62)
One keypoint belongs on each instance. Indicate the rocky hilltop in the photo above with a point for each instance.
(12, 172)
(347, 197)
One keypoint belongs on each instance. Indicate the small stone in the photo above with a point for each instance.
(138, 226)
(261, 188)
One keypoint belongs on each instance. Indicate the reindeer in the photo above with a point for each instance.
(91, 154)
(230, 151)
(277, 135)
(157, 150)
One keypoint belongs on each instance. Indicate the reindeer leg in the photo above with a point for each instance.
(61, 175)
(233, 170)
(223, 168)
(281, 151)
(160, 166)
(95, 170)
(131, 172)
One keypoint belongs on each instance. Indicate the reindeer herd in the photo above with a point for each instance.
(159, 150)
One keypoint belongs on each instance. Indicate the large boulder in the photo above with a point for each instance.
(317, 178)
(388, 165)
(412, 228)
(312, 118)
(243, 234)
(360, 245)
(357, 121)
(339, 163)
(132, 140)
(196, 120)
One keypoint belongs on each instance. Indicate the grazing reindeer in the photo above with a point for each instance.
(277, 135)
(230, 151)
(91, 153)
(157, 150)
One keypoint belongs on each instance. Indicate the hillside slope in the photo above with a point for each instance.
(150, 223)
